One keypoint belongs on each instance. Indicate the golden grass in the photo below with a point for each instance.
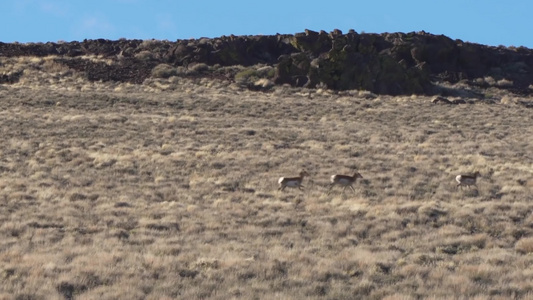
(169, 190)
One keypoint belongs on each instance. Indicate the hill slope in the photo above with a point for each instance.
(129, 177)
(389, 63)
(167, 189)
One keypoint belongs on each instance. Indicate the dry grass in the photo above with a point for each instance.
(168, 190)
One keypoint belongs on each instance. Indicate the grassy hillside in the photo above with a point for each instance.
(169, 190)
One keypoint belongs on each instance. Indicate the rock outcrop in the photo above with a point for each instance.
(389, 63)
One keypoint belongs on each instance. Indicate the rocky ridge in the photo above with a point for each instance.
(388, 63)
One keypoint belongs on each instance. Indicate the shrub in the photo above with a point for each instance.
(198, 68)
(163, 71)
(504, 83)
(524, 245)
(144, 55)
(507, 100)
(53, 66)
(247, 75)
(489, 80)
(266, 72)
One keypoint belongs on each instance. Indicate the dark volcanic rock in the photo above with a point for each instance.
(389, 63)
(126, 70)
(442, 100)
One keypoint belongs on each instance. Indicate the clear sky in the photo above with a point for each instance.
(489, 22)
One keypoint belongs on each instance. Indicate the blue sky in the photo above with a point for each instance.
(486, 22)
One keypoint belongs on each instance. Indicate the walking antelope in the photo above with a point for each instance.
(292, 182)
(344, 180)
(467, 180)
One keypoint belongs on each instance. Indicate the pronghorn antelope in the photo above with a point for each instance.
(467, 180)
(292, 182)
(344, 180)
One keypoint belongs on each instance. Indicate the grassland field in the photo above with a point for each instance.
(168, 190)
